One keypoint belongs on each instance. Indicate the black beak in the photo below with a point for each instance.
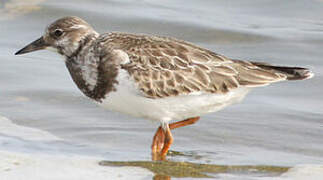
(34, 46)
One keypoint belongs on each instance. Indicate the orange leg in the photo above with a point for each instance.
(163, 138)
(185, 122)
(167, 142)
(158, 141)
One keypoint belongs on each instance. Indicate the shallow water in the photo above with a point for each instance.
(278, 125)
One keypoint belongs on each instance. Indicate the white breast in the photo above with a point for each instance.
(129, 100)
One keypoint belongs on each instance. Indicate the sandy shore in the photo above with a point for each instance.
(25, 153)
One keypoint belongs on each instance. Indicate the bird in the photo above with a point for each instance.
(157, 78)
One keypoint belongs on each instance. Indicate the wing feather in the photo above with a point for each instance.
(163, 67)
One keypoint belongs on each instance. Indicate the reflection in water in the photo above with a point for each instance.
(161, 177)
(12, 8)
(164, 170)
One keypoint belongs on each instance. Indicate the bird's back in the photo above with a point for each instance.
(163, 67)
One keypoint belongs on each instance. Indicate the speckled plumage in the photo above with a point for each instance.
(164, 67)
(159, 67)
(156, 78)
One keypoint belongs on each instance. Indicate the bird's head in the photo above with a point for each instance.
(64, 36)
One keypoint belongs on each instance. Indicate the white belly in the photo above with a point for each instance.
(128, 100)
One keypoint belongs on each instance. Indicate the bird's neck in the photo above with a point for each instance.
(91, 74)
(77, 47)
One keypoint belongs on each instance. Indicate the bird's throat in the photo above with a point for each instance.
(92, 75)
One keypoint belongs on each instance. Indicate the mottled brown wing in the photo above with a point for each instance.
(164, 67)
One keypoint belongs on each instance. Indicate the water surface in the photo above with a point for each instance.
(278, 125)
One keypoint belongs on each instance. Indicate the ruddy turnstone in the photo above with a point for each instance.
(156, 78)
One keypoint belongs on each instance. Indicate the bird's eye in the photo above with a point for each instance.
(58, 32)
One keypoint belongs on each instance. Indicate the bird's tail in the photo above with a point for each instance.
(292, 73)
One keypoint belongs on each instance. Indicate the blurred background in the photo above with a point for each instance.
(43, 112)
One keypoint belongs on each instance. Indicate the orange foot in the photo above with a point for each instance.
(163, 138)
